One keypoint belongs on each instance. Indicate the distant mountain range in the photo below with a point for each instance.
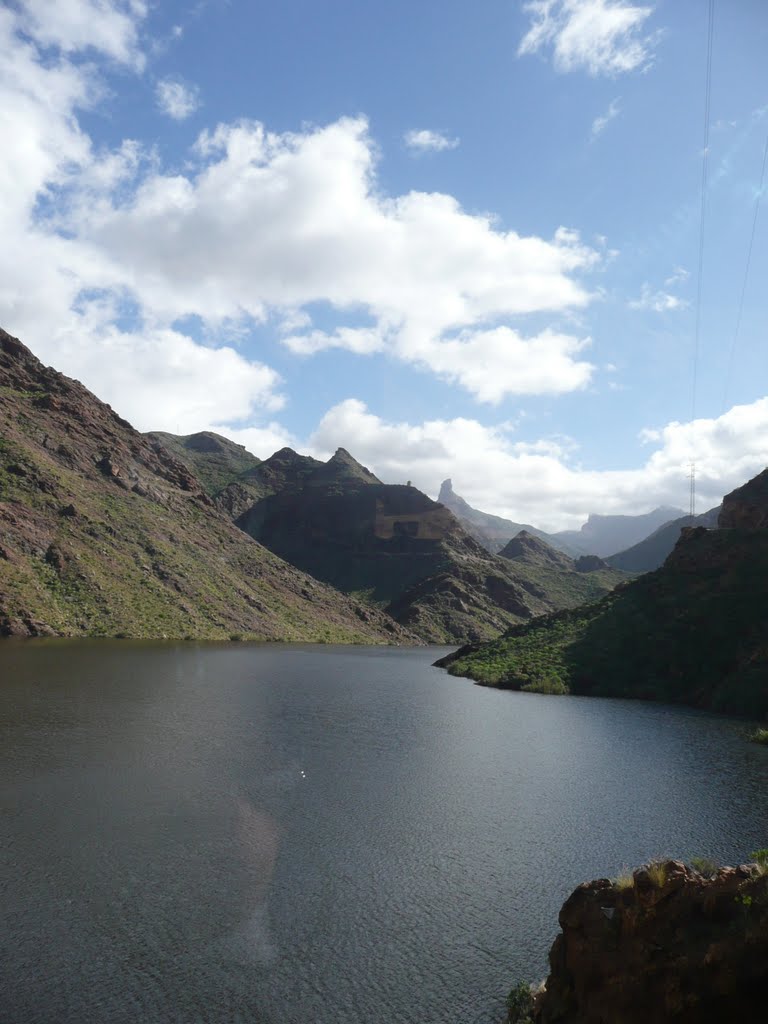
(604, 535)
(601, 535)
(491, 531)
(651, 552)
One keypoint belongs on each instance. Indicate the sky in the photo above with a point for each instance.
(518, 244)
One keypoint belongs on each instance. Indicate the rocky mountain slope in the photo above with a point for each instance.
(214, 460)
(386, 543)
(568, 582)
(650, 553)
(667, 945)
(104, 532)
(394, 547)
(691, 632)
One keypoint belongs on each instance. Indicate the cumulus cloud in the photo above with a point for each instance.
(281, 221)
(160, 379)
(601, 37)
(426, 141)
(258, 227)
(64, 294)
(541, 482)
(177, 100)
(601, 123)
(110, 27)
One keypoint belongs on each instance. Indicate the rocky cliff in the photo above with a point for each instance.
(105, 532)
(396, 547)
(667, 945)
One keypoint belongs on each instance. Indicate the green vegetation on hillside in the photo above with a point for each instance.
(214, 460)
(692, 632)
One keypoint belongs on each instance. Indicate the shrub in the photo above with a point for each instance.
(759, 736)
(520, 1004)
(657, 872)
(624, 881)
(704, 866)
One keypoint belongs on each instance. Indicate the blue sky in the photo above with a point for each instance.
(457, 239)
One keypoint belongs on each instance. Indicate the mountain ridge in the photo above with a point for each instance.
(105, 532)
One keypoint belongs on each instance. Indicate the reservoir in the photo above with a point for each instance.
(274, 834)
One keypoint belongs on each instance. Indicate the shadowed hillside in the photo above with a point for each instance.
(692, 632)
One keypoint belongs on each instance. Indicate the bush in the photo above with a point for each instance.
(760, 736)
(625, 880)
(520, 1004)
(657, 872)
(704, 866)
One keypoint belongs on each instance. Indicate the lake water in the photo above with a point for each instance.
(321, 835)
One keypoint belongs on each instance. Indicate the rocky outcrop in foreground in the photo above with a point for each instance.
(666, 946)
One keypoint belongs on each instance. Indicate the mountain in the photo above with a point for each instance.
(492, 532)
(567, 582)
(526, 548)
(387, 543)
(650, 553)
(605, 534)
(393, 546)
(691, 632)
(214, 460)
(104, 532)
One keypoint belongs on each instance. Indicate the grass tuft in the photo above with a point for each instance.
(657, 872)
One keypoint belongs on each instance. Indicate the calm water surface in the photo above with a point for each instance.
(321, 835)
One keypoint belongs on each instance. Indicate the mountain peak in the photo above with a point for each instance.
(446, 491)
(527, 547)
(343, 466)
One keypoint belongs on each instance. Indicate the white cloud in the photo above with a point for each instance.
(273, 222)
(108, 26)
(602, 37)
(176, 99)
(259, 226)
(160, 379)
(540, 482)
(678, 276)
(425, 141)
(658, 301)
(601, 123)
(63, 294)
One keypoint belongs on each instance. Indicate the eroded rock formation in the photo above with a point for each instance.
(667, 946)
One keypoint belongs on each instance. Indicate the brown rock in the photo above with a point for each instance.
(675, 948)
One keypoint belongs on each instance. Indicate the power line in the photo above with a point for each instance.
(702, 223)
(703, 208)
(729, 371)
